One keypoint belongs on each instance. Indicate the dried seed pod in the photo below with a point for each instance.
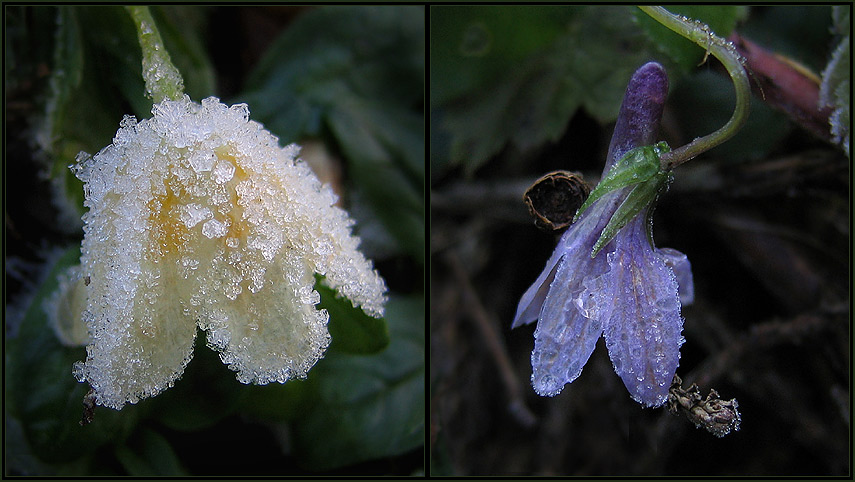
(554, 199)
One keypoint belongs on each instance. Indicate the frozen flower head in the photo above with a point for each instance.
(624, 289)
(198, 218)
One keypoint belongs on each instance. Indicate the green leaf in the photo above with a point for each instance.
(352, 331)
(368, 407)
(636, 166)
(524, 98)
(41, 392)
(277, 402)
(148, 454)
(357, 74)
(799, 32)
(206, 393)
(64, 85)
(471, 45)
(396, 198)
(712, 93)
(686, 54)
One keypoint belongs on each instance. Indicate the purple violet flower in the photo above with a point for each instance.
(630, 291)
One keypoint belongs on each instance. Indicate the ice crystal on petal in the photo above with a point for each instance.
(214, 229)
(223, 171)
(198, 218)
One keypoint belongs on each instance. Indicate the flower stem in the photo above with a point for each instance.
(725, 52)
(162, 79)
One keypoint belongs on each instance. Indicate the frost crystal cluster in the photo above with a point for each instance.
(197, 217)
(629, 292)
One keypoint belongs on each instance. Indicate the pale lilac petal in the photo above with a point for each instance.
(579, 238)
(679, 262)
(576, 238)
(643, 334)
(531, 301)
(564, 338)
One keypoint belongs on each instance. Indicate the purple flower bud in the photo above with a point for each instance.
(640, 112)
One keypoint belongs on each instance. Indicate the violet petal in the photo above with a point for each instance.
(564, 338)
(679, 262)
(643, 334)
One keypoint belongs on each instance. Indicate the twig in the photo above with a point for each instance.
(494, 199)
(759, 336)
(88, 408)
(479, 315)
(719, 417)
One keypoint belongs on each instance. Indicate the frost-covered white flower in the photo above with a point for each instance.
(198, 218)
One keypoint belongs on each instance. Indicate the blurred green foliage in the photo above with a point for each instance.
(524, 96)
(492, 91)
(358, 75)
(686, 54)
(361, 84)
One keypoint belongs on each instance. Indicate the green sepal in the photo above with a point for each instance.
(643, 196)
(636, 166)
(162, 79)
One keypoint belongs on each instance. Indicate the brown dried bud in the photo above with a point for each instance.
(554, 199)
(717, 416)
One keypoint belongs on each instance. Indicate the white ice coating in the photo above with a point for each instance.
(197, 217)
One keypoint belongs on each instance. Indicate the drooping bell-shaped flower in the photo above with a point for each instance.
(198, 218)
(605, 277)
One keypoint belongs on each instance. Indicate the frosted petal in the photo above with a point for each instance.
(223, 171)
(321, 233)
(273, 334)
(643, 334)
(214, 229)
(140, 342)
(564, 338)
(531, 302)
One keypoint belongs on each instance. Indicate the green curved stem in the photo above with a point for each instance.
(162, 79)
(725, 52)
